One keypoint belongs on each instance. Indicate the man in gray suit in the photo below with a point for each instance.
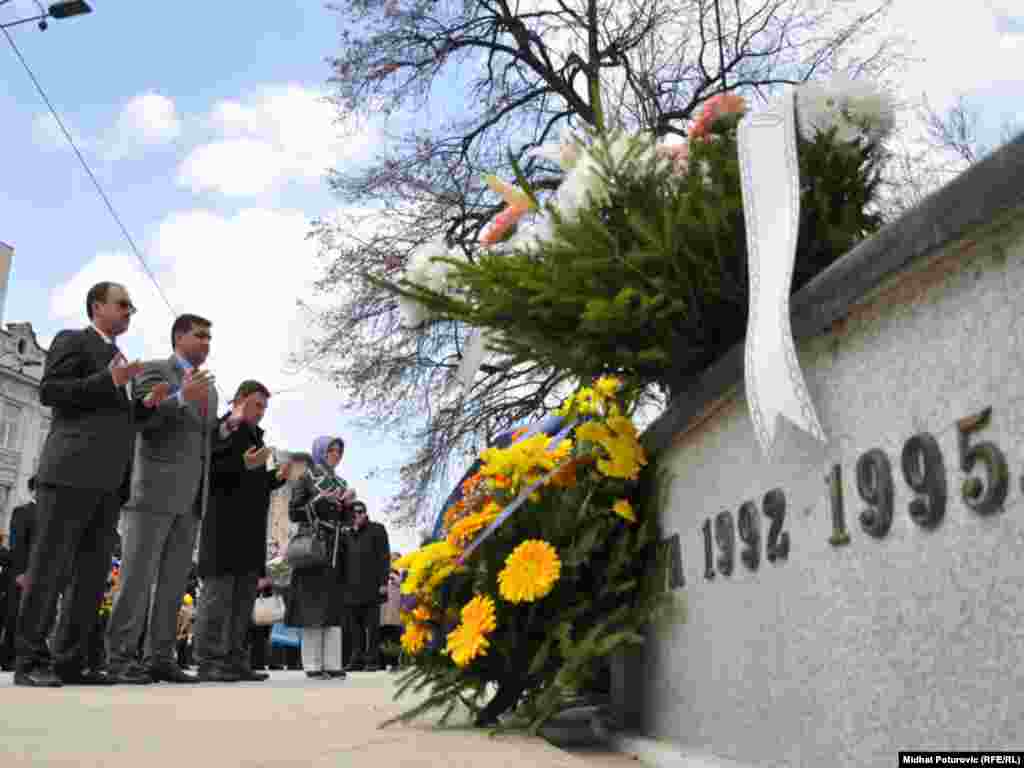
(169, 494)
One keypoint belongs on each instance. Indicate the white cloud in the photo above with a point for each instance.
(145, 121)
(148, 119)
(235, 167)
(958, 52)
(280, 134)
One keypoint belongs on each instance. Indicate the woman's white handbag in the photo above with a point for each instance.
(268, 610)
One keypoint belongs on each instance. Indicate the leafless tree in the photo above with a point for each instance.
(952, 141)
(463, 85)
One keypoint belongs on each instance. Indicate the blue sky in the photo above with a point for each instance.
(202, 122)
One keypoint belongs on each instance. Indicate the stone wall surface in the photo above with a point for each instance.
(849, 654)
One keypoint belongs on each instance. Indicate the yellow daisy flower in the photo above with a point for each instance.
(530, 572)
(608, 386)
(414, 638)
(422, 614)
(624, 509)
(469, 639)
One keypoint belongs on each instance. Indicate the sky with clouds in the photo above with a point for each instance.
(205, 124)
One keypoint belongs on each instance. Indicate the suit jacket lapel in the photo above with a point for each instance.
(103, 353)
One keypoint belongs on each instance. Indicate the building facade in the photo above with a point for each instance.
(24, 423)
(277, 523)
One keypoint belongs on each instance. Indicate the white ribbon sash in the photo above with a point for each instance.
(472, 358)
(771, 205)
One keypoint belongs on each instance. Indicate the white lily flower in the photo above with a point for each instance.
(856, 109)
(564, 154)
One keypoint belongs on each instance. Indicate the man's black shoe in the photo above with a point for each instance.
(38, 677)
(337, 674)
(251, 675)
(217, 675)
(171, 673)
(372, 668)
(131, 674)
(356, 666)
(316, 675)
(84, 677)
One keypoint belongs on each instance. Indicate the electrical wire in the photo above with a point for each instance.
(99, 188)
(103, 195)
(88, 170)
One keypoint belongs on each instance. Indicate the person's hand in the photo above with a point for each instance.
(284, 471)
(264, 582)
(244, 410)
(157, 395)
(21, 580)
(122, 373)
(256, 457)
(196, 385)
(348, 496)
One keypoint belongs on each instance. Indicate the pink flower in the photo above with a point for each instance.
(502, 223)
(718, 106)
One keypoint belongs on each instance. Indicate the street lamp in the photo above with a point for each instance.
(61, 10)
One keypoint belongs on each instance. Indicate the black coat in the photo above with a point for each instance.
(233, 538)
(23, 527)
(92, 436)
(317, 598)
(367, 564)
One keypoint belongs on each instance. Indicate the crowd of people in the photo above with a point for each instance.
(138, 463)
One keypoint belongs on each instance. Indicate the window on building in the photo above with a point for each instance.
(10, 422)
(43, 432)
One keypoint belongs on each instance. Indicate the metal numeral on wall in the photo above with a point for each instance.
(875, 486)
(676, 579)
(774, 506)
(834, 479)
(925, 473)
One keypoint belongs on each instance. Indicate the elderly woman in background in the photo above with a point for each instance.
(321, 498)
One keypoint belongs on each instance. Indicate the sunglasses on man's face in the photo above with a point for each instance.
(125, 304)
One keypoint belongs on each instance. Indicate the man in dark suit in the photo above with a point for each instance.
(83, 469)
(367, 566)
(23, 526)
(170, 488)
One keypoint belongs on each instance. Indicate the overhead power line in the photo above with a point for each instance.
(88, 171)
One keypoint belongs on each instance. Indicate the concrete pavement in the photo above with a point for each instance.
(286, 722)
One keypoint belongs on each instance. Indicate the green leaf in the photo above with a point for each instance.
(522, 181)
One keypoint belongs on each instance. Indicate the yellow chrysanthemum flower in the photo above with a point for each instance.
(511, 467)
(422, 614)
(624, 509)
(465, 529)
(608, 386)
(415, 637)
(530, 572)
(423, 563)
(469, 639)
(588, 401)
(620, 441)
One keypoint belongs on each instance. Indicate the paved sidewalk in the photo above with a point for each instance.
(287, 721)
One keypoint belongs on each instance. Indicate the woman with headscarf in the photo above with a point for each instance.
(322, 499)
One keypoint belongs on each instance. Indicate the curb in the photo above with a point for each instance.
(663, 754)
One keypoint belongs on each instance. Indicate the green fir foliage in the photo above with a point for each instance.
(652, 284)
